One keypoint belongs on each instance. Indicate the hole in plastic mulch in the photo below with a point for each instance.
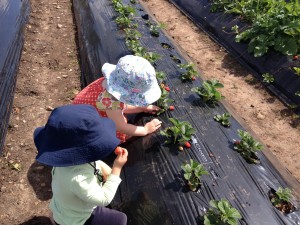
(283, 206)
(175, 59)
(166, 46)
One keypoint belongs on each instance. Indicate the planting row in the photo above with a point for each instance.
(182, 131)
(189, 170)
(263, 35)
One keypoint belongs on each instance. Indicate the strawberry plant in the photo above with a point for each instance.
(132, 34)
(164, 101)
(208, 91)
(268, 78)
(297, 93)
(136, 47)
(180, 132)
(281, 199)
(297, 70)
(272, 24)
(123, 22)
(150, 56)
(154, 29)
(190, 73)
(161, 76)
(193, 172)
(124, 10)
(247, 147)
(223, 119)
(221, 213)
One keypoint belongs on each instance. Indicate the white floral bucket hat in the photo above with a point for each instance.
(132, 81)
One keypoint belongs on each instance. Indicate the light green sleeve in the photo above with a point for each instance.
(86, 187)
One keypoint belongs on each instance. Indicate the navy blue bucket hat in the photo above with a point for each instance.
(74, 135)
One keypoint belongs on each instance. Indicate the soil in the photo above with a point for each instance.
(49, 76)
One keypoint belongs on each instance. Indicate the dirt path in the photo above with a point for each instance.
(49, 77)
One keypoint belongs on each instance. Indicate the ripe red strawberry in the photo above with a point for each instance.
(237, 142)
(193, 78)
(119, 150)
(295, 57)
(167, 88)
(187, 144)
(171, 107)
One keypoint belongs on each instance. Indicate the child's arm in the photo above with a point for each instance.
(129, 129)
(105, 169)
(153, 109)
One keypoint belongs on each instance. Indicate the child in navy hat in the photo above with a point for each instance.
(74, 141)
(128, 87)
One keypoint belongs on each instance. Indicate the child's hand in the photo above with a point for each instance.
(121, 158)
(152, 126)
(153, 109)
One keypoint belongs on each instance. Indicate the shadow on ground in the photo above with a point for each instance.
(39, 177)
(38, 220)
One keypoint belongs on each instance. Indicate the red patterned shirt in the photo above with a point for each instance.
(96, 95)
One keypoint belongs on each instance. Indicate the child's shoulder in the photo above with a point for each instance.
(108, 101)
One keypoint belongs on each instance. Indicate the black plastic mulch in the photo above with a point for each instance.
(218, 26)
(13, 16)
(153, 190)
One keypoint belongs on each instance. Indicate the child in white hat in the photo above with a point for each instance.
(128, 87)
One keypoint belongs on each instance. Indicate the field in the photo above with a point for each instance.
(49, 76)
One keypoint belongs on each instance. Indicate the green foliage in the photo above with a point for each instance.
(180, 132)
(297, 93)
(247, 146)
(272, 24)
(193, 172)
(268, 78)
(190, 73)
(123, 22)
(297, 70)
(136, 47)
(223, 119)
(150, 56)
(132, 34)
(161, 76)
(124, 10)
(281, 195)
(221, 213)
(208, 91)
(154, 28)
(164, 101)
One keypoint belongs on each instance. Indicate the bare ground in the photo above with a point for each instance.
(49, 76)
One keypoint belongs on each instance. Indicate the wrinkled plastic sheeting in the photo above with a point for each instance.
(153, 190)
(98, 43)
(13, 16)
(218, 26)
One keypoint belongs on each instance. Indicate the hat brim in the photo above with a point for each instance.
(137, 99)
(52, 155)
(108, 69)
